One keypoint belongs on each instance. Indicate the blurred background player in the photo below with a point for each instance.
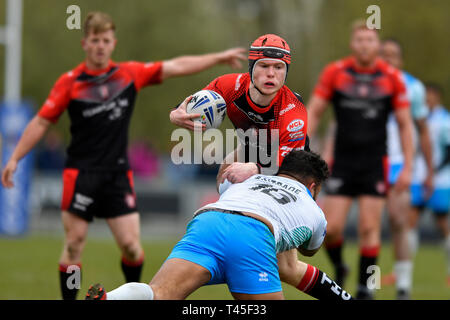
(235, 240)
(363, 90)
(99, 95)
(398, 203)
(439, 201)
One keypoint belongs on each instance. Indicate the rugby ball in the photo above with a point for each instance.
(210, 105)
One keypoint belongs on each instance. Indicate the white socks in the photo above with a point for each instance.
(131, 291)
(403, 273)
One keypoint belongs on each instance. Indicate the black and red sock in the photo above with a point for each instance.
(318, 285)
(334, 251)
(368, 258)
(69, 280)
(132, 269)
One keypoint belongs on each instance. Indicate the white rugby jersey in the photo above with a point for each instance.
(439, 126)
(296, 218)
(419, 110)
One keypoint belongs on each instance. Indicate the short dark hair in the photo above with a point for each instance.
(434, 87)
(396, 42)
(305, 166)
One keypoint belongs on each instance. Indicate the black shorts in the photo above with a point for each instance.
(358, 175)
(102, 194)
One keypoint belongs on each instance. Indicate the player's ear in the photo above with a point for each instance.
(314, 188)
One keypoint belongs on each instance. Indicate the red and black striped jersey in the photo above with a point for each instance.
(362, 99)
(100, 104)
(286, 112)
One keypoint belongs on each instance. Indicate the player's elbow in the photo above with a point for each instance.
(306, 252)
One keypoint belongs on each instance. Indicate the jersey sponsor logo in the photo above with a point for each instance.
(296, 136)
(333, 184)
(82, 201)
(363, 90)
(295, 125)
(104, 92)
(254, 116)
(49, 103)
(288, 108)
(380, 187)
(285, 150)
(263, 277)
(116, 104)
(130, 200)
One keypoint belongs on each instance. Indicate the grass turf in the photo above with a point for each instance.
(29, 270)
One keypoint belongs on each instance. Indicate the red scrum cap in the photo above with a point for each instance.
(269, 46)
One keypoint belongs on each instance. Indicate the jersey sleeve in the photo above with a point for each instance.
(325, 86)
(226, 85)
(399, 97)
(58, 99)
(145, 74)
(292, 132)
(318, 235)
(419, 109)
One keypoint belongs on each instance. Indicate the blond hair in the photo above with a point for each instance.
(97, 22)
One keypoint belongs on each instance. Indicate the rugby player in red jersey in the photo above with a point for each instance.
(260, 100)
(363, 90)
(99, 95)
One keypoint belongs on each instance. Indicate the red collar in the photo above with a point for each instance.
(258, 108)
(360, 69)
(97, 72)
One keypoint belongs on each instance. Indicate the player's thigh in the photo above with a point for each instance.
(264, 296)
(335, 208)
(75, 227)
(125, 228)
(178, 278)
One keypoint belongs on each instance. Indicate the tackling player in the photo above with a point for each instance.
(398, 203)
(439, 201)
(99, 95)
(235, 240)
(363, 90)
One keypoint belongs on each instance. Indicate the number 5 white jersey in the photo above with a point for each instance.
(296, 218)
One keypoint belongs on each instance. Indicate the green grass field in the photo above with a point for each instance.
(28, 269)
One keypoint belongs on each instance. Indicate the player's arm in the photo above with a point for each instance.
(425, 146)
(233, 170)
(316, 107)
(33, 133)
(306, 252)
(186, 65)
(328, 147)
(405, 124)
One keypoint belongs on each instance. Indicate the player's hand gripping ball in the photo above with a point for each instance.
(210, 105)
